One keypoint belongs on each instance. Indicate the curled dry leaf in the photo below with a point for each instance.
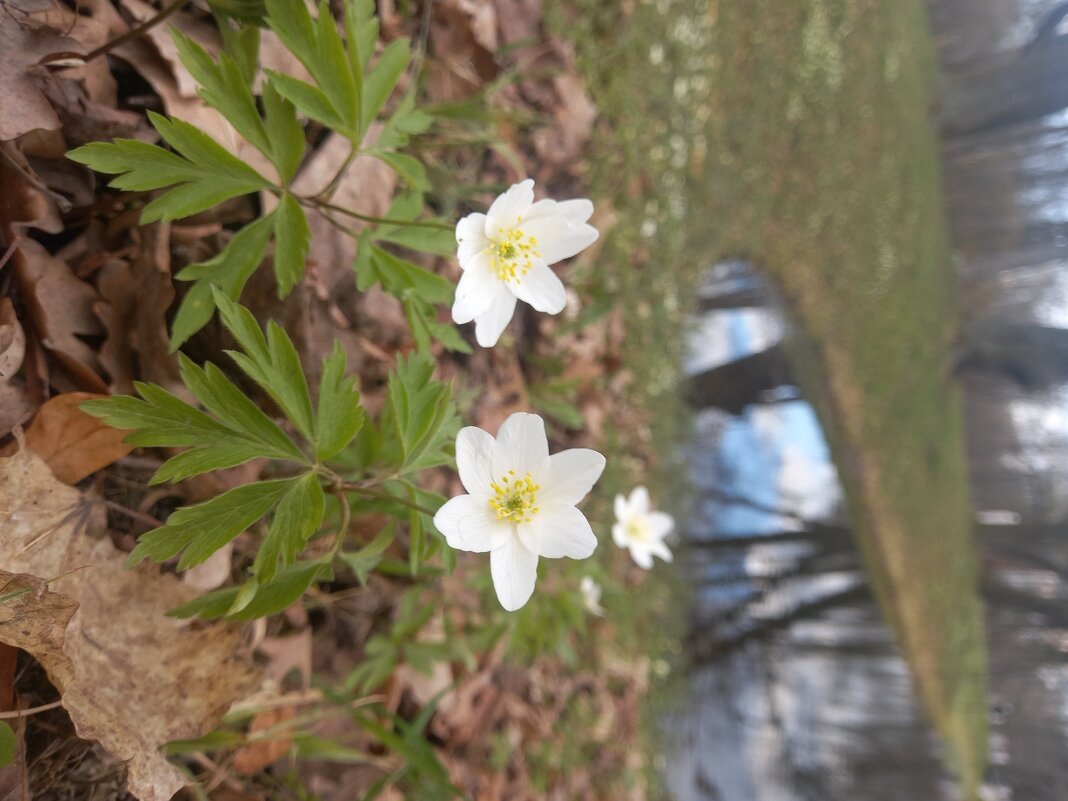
(23, 107)
(72, 443)
(270, 738)
(131, 678)
(14, 404)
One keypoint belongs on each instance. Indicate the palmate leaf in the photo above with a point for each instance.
(340, 416)
(202, 172)
(421, 413)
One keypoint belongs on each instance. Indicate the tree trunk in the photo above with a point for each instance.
(1007, 89)
(740, 383)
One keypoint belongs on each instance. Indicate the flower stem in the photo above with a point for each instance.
(370, 492)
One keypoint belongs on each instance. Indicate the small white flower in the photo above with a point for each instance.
(591, 596)
(641, 529)
(505, 255)
(521, 503)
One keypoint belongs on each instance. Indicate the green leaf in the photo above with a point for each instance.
(242, 42)
(326, 749)
(212, 741)
(271, 362)
(299, 515)
(284, 132)
(379, 82)
(8, 745)
(340, 415)
(398, 276)
(223, 87)
(230, 405)
(424, 240)
(159, 420)
(421, 412)
(361, 27)
(144, 166)
(292, 22)
(292, 241)
(203, 529)
(309, 100)
(363, 561)
(407, 167)
(223, 453)
(266, 599)
(229, 270)
(334, 71)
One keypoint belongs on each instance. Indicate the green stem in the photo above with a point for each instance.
(322, 204)
(370, 492)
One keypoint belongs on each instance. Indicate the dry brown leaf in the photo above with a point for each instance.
(61, 308)
(73, 444)
(25, 201)
(12, 341)
(130, 677)
(23, 106)
(258, 754)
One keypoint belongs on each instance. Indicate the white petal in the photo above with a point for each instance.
(619, 535)
(470, 249)
(474, 460)
(621, 507)
(521, 446)
(639, 501)
(660, 524)
(574, 211)
(661, 550)
(514, 570)
(490, 324)
(477, 288)
(571, 475)
(559, 239)
(470, 524)
(508, 209)
(542, 289)
(471, 226)
(641, 556)
(557, 531)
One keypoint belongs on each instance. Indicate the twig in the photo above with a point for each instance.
(133, 514)
(10, 251)
(134, 33)
(33, 710)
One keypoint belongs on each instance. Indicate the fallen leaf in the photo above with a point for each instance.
(60, 305)
(131, 678)
(23, 106)
(12, 341)
(73, 444)
(260, 753)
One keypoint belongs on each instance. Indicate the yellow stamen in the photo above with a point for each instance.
(515, 500)
(512, 253)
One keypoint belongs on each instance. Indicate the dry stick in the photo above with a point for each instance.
(141, 517)
(33, 710)
(134, 33)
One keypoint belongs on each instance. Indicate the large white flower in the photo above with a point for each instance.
(641, 529)
(505, 255)
(521, 503)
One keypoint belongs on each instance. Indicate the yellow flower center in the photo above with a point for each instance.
(512, 253)
(637, 531)
(514, 498)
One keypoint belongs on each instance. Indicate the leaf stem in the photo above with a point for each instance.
(370, 492)
(331, 188)
(33, 710)
(322, 204)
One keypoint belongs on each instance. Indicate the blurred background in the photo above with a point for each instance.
(878, 369)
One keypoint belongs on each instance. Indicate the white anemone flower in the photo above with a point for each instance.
(521, 503)
(641, 529)
(591, 596)
(505, 256)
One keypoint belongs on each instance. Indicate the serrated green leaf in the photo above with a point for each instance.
(229, 270)
(292, 241)
(230, 405)
(399, 276)
(378, 83)
(334, 71)
(361, 27)
(299, 515)
(199, 531)
(424, 240)
(309, 100)
(363, 561)
(284, 131)
(206, 153)
(271, 362)
(225, 452)
(286, 588)
(223, 87)
(292, 23)
(407, 167)
(242, 41)
(340, 415)
(145, 166)
(157, 419)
